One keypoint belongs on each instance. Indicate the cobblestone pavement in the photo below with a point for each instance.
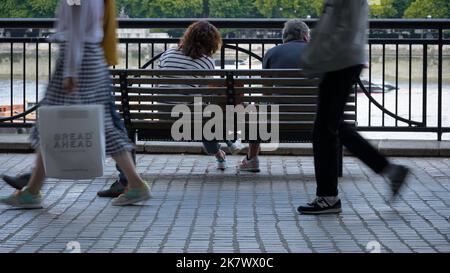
(196, 208)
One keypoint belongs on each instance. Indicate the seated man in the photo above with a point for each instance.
(285, 56)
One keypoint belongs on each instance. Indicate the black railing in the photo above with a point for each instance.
(405, 89)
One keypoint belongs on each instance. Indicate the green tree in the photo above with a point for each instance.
(179, 8)
(401, 6)
(383, 9)
(137, 8)
(160, 8)
(27, 8)
(43, 8)
(289, 8)
(424, 8)
(233, 9)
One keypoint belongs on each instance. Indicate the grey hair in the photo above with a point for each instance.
(294, 29)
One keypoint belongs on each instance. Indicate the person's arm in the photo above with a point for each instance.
(60, 24)
(266, 61)
(266, 65)
(76, 26)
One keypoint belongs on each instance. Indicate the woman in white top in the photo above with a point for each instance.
(81, 77)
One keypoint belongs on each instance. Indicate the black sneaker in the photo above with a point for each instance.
(397, 175)
(114, 191)
(320, 206)
(17, 182)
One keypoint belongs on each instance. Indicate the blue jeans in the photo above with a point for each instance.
(213, 147)
(118, 122)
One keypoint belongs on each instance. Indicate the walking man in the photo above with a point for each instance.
(337, 52)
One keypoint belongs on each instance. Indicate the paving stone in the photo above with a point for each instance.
(197, 209)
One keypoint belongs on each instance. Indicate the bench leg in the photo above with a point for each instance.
(340, 160)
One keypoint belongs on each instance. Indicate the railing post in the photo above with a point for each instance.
(12, 80)
(231, 99)
(222, 57)
(440, 45)
(425, 85)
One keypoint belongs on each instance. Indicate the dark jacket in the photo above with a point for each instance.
(339, 39)
(285, 56)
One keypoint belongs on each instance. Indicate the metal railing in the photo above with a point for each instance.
(405, 89)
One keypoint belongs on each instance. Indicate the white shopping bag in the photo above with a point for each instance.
(72, 141)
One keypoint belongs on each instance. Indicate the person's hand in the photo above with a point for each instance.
(69, 84)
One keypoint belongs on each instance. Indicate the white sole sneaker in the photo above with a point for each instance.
(249, 165)
(328, 211)
(236, 148)
(23, 206)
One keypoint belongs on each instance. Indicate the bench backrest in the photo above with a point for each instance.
(146, 99)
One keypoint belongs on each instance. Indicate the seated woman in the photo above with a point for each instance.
(197, 46)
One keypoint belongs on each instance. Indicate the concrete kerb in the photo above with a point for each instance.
(397, 148)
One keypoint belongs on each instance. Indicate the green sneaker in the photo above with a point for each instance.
(132, 196)
(23, 199)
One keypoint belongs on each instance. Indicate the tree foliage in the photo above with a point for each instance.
(289, 8)
(401, 6)
(160, 8)
(27, 8)
(425, 8)
(233, 8)
(383, 9)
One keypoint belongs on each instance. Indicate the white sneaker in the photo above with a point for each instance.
(221, 161)
(236, 147)
(250, 165)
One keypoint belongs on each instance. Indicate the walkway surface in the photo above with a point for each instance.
(196, 208)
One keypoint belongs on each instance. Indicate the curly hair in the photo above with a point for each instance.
(200, 39)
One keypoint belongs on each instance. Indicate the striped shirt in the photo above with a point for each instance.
(175, 59)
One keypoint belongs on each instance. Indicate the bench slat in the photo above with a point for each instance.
(219, 72)
(304, 90)
(222, 82)
(285, 108)
(176, 99)
(283, 116)
(167, 124)
(221, 100)
(174, 90)
(307, 99)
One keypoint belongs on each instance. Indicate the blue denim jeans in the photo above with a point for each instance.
(212, 147)
(118, 122)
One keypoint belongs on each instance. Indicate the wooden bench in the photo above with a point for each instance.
(146, 99)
